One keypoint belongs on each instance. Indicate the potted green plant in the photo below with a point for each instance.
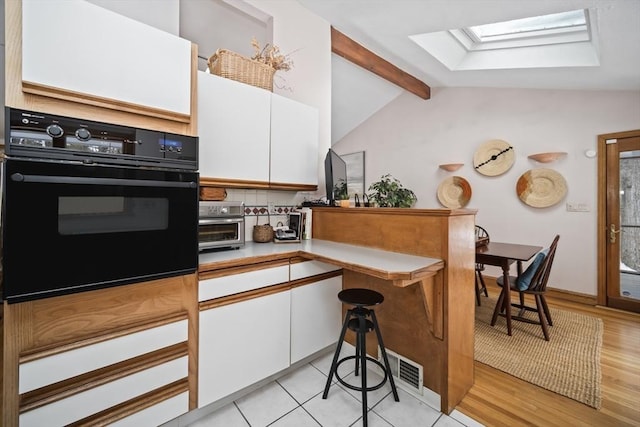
(341, 193)
(389, 193)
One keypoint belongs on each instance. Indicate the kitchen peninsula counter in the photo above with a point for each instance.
(401, 269)
(421, 260)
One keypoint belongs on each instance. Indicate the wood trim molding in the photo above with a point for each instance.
(132, 406)
(554, 293)
(292, 187)
(311, 280)
(113, 104)
(257, 185)
(244, 296)
(354, 52)
(244, 268)
(89, 380)
(432, 297)
(53, 349)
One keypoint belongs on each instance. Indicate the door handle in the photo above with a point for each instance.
(612, 233)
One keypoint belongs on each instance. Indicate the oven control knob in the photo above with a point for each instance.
(54, 131)
(83, 134)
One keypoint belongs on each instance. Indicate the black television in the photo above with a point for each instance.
(335, 174)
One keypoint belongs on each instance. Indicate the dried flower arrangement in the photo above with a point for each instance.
(271, 56)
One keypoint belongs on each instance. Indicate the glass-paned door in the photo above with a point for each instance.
(630, 223)
(623, 223)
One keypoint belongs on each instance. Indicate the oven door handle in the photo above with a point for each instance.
(220, 221)
(46, 179)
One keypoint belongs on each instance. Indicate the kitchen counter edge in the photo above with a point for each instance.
(379, 263)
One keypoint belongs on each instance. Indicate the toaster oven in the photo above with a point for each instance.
(220, 225)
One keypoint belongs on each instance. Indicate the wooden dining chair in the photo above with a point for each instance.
(533, 281)
(482, 237)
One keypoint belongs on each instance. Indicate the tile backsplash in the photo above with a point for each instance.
(258, 202)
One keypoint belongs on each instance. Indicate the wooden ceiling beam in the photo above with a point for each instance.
(361, 56)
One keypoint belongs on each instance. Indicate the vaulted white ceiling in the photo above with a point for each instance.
(384, 27)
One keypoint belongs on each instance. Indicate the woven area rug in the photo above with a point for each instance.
(568, 364)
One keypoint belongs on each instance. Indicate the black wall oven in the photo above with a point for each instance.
(90, 219)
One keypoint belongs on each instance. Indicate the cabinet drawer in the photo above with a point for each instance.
(81, 405)
(310, 268)
(48, 370)
(242, 282)
(157, 414)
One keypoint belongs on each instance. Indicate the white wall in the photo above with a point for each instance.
(410, 137)
(161, 14)
(307, 38)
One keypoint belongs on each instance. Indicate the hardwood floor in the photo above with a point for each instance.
(498, 399)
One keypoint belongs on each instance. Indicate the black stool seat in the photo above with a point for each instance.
(360, 297)
(361, 320)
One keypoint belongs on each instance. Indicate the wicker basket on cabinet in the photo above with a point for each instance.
(234, 66)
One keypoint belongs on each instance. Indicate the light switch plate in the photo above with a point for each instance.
(577, 207)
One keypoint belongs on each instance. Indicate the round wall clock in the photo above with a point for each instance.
(494, 157)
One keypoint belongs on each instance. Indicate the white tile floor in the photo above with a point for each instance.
(295, 400)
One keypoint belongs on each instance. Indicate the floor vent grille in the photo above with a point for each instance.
(404, 370)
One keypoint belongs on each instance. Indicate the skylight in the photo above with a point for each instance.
(536, 26)
(567, 39)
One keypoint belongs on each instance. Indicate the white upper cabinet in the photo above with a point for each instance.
(250, 135)
(233, 126)
(82, 49)
(294, 142)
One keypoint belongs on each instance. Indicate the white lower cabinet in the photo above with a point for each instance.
(94, 400)
(315, 317)
(94, 358)
(157, 414)
(249, 340)
(241, 344)
(59, 367)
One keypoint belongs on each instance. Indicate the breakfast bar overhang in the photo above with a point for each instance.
(427, 318)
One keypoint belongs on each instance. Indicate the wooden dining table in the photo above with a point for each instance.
(503, 255)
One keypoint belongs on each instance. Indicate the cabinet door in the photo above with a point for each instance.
(241, 344)
(62, 366)
(294, 142)
(233, 126)
(102, 397)
(157, 414)
(315, 306)
(242, 282)
(82, 48)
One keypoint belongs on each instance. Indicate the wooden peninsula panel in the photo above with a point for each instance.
(447, 357)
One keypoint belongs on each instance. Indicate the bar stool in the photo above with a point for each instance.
(357, 319)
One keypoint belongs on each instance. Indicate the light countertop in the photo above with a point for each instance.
(401, 268)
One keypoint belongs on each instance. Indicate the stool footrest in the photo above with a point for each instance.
(356, 388)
